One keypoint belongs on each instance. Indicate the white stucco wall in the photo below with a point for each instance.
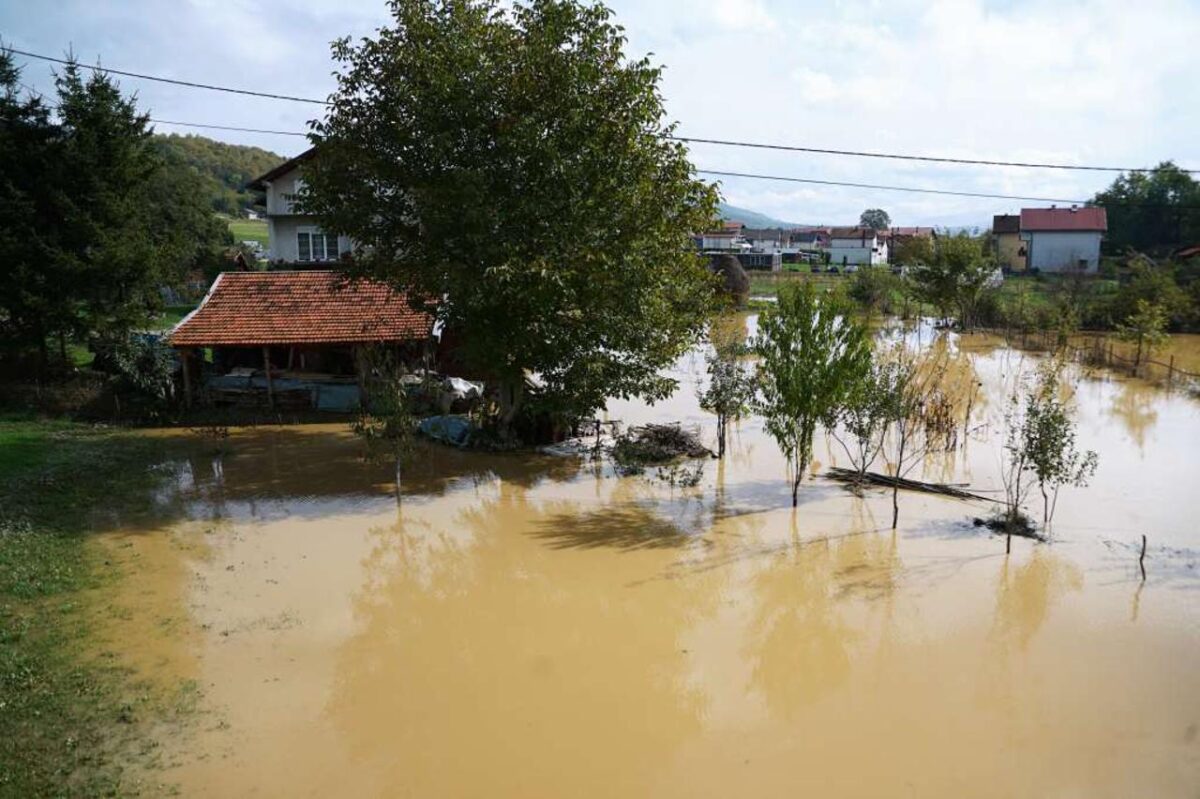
(282, 225)
(1057, 251)
(853, 251)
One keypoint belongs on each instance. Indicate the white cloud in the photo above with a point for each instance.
(1076, 81)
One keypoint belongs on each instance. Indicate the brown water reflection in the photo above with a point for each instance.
(533, 626)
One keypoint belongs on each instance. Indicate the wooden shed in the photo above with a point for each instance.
(295, 338)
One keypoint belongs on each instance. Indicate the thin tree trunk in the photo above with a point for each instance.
(796, 486)
(1045, 505)
(896, 484)
(720, 436)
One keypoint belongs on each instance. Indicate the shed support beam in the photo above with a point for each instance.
(267, 369)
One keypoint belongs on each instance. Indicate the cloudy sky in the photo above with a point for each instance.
(1073, 81)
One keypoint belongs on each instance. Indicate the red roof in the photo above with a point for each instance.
(260, 308)
(1064, 219)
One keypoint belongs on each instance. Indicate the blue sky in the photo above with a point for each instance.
(1089, 82)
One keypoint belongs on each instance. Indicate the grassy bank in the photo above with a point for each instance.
(71, 724)
(249, 230)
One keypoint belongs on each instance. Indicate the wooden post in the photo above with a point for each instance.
(185, 359)
(1171, 372)
(267, 369)
(1142, 558)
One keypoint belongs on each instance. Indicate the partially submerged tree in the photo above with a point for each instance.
(730, 389)
(1146, 328)
(513, 164)
(1048, 439)
(866, 415)
(385, 421)
(922, 421)
(812, 355)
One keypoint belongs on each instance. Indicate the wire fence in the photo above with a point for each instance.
(1100, 350)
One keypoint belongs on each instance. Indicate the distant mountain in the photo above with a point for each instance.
(224, 168)
(731, 213)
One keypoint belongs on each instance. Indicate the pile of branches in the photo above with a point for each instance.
(654, 445)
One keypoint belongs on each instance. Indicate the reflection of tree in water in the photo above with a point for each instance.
(801, 637)
(1025, 594)
(1134, 406)
(486, 657)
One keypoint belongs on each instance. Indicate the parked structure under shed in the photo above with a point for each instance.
(295, 339)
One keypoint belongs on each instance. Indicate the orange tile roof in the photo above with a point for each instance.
(260, 308)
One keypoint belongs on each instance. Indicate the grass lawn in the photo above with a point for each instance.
(68, 721)
(249, 230)
(766, 284)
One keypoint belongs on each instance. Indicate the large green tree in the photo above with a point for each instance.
(1152, 211)
(511, 163)
(875, 218)
(955, 279)
(95, 223)
(813, 355)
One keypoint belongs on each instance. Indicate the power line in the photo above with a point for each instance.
(173, 81)
(211, 126)
(688, 139)
(890, 188)
(927, 158)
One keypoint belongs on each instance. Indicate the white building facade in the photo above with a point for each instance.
(858, 246)
(1063, 239)
(294, 238)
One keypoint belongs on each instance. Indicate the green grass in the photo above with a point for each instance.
(70, 723)
(249, 230)
(766, 284)
(171, 316)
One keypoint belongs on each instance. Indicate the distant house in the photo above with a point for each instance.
(294, 238)
(893, 237)
(726, 239)
(1063, 239)
(859, 246)
(1007, 244)
(296, 339)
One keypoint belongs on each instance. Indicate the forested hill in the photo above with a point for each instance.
(224, 168)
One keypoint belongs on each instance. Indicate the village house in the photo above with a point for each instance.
(296, 339)
(294, 238)
(727, 239)
(856, 246)
(1007, 244)
(1063, 239)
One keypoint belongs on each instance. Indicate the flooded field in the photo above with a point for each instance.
(534, 625)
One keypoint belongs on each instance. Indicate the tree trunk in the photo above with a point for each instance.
(1045, 505)
(720, 436)
(1008, 544)
(796, 486)
(512, 396)
(896, 484)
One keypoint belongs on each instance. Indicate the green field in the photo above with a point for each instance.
(766, 284)
(73, 720)
(249, 230)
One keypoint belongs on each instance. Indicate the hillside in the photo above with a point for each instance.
(731, 213)
(224, 168)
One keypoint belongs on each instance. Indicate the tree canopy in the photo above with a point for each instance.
(93, 222)
(875, 218)
(1153, 211)
(512, 163)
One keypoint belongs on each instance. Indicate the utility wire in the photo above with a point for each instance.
(172, 81)
(688, 139)
(890, 188)
(929, 158)
(55, 107)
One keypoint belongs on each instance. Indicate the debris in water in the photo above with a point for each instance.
(887, 480)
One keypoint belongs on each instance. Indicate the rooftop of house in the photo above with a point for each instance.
(859, 232)
(911, 231)
(1006, 223)
(1072, 219)
(260, 183)
(310, 307)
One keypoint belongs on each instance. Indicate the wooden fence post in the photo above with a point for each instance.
(267, 369)
(1171, 372)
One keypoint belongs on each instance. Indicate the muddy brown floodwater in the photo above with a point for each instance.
(528, 626)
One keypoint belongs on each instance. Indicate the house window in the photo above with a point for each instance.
(316, 246)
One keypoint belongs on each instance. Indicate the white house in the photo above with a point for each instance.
(859, 246)
(293, 237)
(1063, 239)
(728, 239)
